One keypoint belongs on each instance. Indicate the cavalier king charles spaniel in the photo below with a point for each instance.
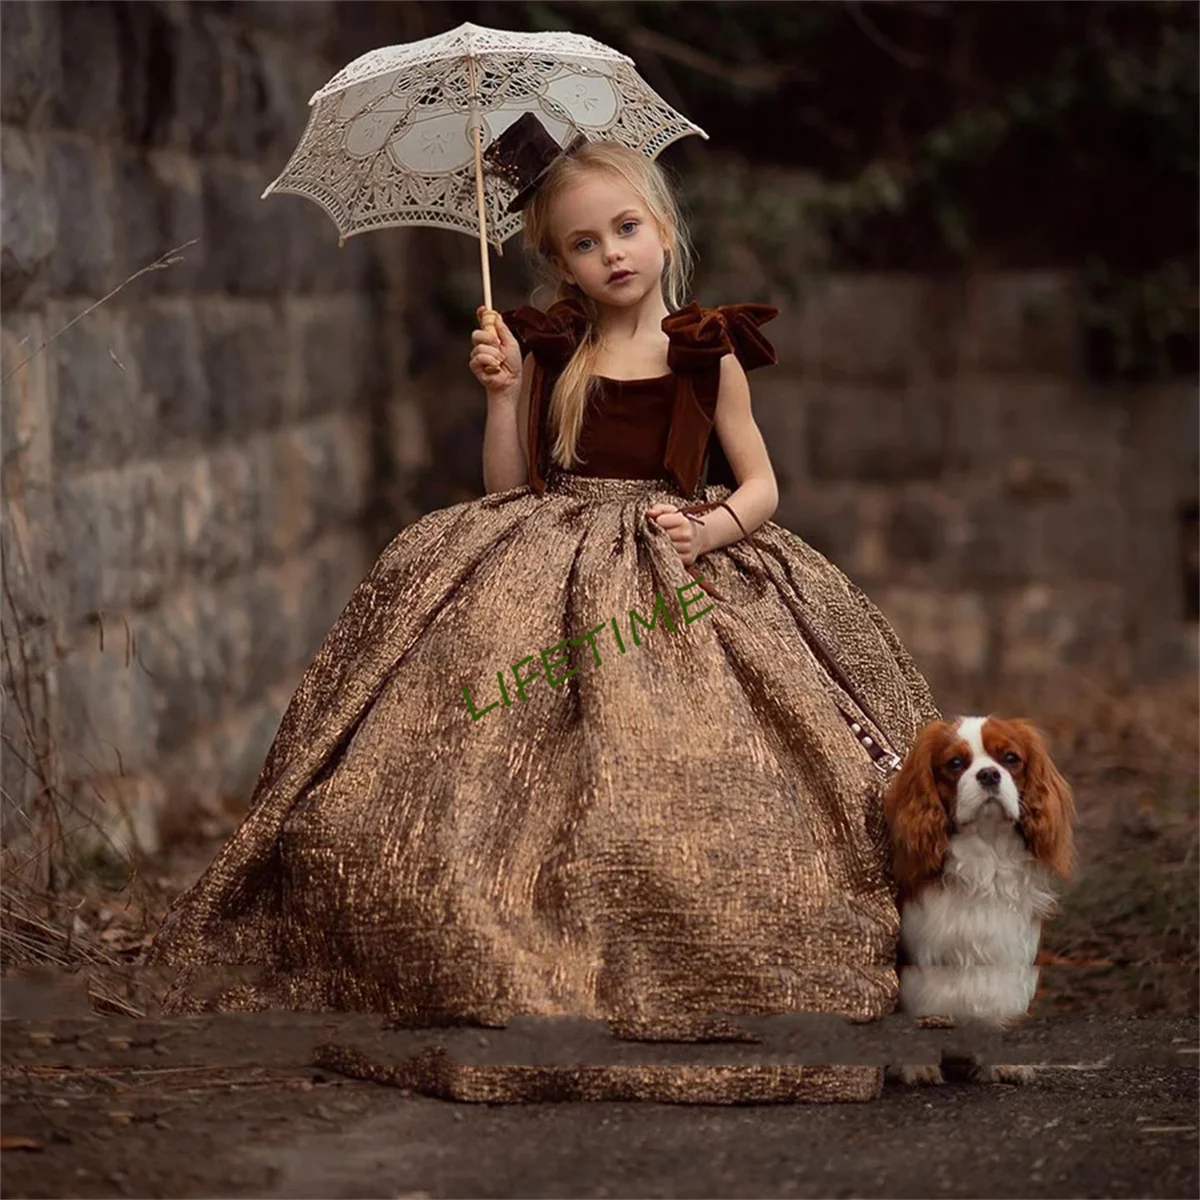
(981, 825)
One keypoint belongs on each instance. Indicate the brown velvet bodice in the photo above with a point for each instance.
(643, 428)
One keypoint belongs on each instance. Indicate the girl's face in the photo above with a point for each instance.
(608, 243)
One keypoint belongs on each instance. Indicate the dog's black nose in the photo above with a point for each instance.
(988, 776)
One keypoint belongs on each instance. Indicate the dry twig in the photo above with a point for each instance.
(167, 259)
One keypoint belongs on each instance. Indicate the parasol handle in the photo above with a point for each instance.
(488, 319)
(484, 265)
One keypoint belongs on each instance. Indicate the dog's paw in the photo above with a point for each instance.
(1006, 1073)
(909, 1075)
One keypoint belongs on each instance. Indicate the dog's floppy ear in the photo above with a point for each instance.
(1047, 806)
(916, 816)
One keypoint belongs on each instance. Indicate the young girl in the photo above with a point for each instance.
(573, 748)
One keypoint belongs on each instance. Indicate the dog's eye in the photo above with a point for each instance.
(955, 764)
(1010, 759)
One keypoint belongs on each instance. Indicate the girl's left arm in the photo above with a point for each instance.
(757, 495)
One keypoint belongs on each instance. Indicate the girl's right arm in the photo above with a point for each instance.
(496, 363)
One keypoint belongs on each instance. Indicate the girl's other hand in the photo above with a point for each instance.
(495, 356)
(687, 536)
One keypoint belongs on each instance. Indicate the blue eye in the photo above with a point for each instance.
(582, 245)
(628, 226)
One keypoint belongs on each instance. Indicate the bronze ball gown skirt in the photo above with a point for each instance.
(659, 815)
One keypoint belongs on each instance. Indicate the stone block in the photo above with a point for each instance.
(241, 745)
(196, 84)
(300, 601)
(1081, 536)
(27, 405)
(946, 632)
(224, 625)
(26, 718)
(217, 512)
(334, 567)
(81, 187)
(918, 531)
(389, 261)
(862, 327)
(102, 415)
(876, 434)
(1158, 491)
(176, 181)
(30, 563)
(316, 263)
(314, 476)
(128, 812)
(141, 234)
(116, 814)
(108, 706)
(276, 602)
(1047, 629)
(148, 46)
(1162, 438)
(118, 531)
(264, 113)
(828, 518)
(288, 475)
(1042, 433)
(780, 402)
(1022, 323)
(307, 26)
(337, 344)
(408, 441)
(248, 250)
(238, 615)
(941, 324)
(90, 94)
(172, 358)
(30, 64)
(244, 352)
(342, 450)
(177, 651)
(29, 220)
(159, 209)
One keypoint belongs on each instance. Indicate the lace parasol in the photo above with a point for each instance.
(396, 137)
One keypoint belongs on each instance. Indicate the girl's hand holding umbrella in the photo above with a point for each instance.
(495, 355)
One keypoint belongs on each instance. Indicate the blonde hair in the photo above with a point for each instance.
(575, 385)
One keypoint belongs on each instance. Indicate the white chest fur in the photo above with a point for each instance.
(972, 937)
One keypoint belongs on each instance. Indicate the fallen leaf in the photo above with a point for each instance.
(13, 1142)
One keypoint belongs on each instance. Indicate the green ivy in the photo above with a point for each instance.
(1110, 92)
(1134, 325)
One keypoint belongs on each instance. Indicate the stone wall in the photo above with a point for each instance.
(199, 471)
(191, 469)
(1019, 522)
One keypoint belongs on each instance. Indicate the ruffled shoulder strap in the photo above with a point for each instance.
(550, 336)
(701, 337)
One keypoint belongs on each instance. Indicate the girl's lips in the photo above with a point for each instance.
(620, 276)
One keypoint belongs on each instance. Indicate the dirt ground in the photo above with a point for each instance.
(231, 1105)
